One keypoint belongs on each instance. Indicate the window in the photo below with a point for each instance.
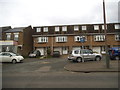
(45, 29)
(64, 28)
(78, 38)
(84, 28)
(99, 38)
(57, 29)
(8, 36)
(96, 27)
(117, 26)
(76, 28)
(5, 54)
(42, 39)
(87, 51)
(61, 39)
(38, 29)
(76, 51)
(103, 27)
(117, 37)
(16, 35)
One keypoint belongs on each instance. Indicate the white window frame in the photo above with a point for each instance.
(64, 28)
(117, 26)
(96, 27)
(84, 27)
(42, 39)
(99, 37)
(77, 38)
(45, 29)
(117, 37)
(38, 29)
(61, 39)
(57, 29)
(76, 28)
(103, 27)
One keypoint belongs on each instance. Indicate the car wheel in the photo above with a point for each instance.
(14, 61)
(79, 59)
(117, 58)
(98, 58)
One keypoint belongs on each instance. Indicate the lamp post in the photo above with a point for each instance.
(105, 31)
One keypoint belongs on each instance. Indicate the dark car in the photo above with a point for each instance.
(114, 53)
(56, 54)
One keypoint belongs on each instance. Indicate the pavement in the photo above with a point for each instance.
(93, 66)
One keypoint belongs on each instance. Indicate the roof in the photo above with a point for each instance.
(19, 29)
(75, 24)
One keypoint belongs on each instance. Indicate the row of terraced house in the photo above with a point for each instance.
(63, 38)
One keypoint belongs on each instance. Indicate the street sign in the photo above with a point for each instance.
(82, 40)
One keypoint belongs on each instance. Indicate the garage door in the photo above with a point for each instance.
(58, 49)
(96, 49)
(75, 48)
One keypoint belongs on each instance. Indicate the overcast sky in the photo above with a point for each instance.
(17, 13)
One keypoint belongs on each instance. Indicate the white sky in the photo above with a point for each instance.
(17, 13)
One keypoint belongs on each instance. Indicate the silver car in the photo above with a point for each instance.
(81, 55)
(10, 57)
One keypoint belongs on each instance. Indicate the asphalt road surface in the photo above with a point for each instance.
(50, 73)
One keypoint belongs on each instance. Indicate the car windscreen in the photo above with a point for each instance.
(14, 54)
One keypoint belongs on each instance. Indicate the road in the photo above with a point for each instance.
(50, 73)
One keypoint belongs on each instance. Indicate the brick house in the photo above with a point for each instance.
(64, 38)
(18, 40)
(2, 30)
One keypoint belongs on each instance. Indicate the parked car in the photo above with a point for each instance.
(35, 54)
(114, 53)
(82, 55)
(10, 57)
(56, 54)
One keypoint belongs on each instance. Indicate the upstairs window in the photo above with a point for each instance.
(8, 36)
(64, 28)
(84, 27)
(78, 38)
(57, 29)
(117, 37)
(45, 29)
(76, 28)
(117, 26)
(16, 35)
(96, 27)
(103, 27)
(42, 39)
(61, 39)
(99, 38)
(38, 29)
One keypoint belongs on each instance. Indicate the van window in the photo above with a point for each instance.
(76, 52)
(87, 52)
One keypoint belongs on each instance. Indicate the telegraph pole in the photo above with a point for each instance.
(105, 31)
